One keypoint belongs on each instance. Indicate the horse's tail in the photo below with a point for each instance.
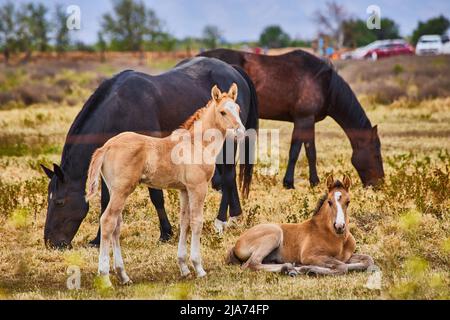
(232, 258)
(94, 171)
(246, 168)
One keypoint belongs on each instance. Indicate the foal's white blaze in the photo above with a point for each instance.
(233, 109)
(340, 218)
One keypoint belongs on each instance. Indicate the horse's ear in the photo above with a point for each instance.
(215, 93)
(374, 132)
(330, 182)
(233, 92)
(59, 172)
(47, 171)
(347, 182)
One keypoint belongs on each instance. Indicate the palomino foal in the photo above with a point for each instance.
(321, 245)
(129, 159)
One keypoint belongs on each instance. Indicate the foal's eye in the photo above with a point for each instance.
(223, 113)
(347, 203)
(330, 203)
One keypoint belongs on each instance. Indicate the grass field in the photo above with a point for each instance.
(405, 225)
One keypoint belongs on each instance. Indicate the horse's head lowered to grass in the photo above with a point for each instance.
(66, 210)
(366, 157)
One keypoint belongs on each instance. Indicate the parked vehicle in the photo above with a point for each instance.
(432, 44)
(380, 49)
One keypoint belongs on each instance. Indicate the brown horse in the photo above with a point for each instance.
(303, 89)
(130, 158)
(322, 244)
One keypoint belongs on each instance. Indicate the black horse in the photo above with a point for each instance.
(153, 105)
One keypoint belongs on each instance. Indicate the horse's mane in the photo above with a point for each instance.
(88, 108)
(324, 197)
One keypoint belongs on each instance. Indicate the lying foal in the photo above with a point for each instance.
(321, 245)
(130, 158)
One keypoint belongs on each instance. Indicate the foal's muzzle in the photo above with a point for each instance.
(339, 228)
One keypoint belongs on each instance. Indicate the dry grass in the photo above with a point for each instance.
(405, 226)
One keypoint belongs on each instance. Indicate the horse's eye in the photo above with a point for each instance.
(59, 202)
(330, 203)
(223, 113)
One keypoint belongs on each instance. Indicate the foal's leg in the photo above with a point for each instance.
(337, 266)
(118, 260)
(104, 203)
(196, 197)
(165, 228)
(108, 223)
(359, 262)
(184, 226)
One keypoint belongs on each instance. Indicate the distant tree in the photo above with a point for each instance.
(274, 37)
(438, 25)
(101, 46)
(211, 36)
(356, 33)
(389, 30)
(130, 24)
(330, 21)
(38, 25)
(7, 29)
(62, 36)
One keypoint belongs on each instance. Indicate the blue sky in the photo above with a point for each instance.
(244, 19)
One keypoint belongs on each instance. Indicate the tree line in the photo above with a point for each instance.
(132, 26)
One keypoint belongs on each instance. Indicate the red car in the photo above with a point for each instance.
(389, 50)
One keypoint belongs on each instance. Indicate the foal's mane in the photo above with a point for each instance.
(190, 121)
(323, 198)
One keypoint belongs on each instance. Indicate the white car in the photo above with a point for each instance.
(430, 45)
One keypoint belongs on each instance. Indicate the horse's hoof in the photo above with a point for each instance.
(220, 226)
(103, 282)
(164, 237)
(288, 184)
(185, 272)
(234, 221)
(94, 243)
(314, 182)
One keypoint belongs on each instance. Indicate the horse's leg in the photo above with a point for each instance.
(165, 228)
(119, 266)
(216, 180)
(221, 220)
(310, 148)
(294, 151)
(184, 226)
(108, 223)
(104, 203)
(196, 197)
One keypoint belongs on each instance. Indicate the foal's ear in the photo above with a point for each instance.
(215, 93)
(330, 182)
(233, 92)
(347, 182)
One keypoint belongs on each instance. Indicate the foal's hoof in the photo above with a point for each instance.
(288, 184)
(126, 282)
(201, 274)
(220, 226)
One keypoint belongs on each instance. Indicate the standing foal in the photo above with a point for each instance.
(129, 159)
(322, 244)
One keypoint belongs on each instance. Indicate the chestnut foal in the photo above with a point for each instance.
(130, 158)
(321, 245)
